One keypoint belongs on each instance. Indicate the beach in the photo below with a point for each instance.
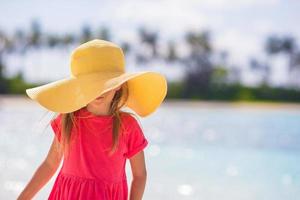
(22, 99)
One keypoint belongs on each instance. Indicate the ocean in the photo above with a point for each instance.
(196, 150)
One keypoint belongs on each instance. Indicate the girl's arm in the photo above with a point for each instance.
(139, 176)
(44, 172)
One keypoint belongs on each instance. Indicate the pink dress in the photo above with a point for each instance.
(88, 172)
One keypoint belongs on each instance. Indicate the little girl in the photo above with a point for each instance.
(93, 136)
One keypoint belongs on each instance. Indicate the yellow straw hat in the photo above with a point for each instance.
(98, 66)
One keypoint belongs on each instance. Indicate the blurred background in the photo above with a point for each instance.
(229, 126)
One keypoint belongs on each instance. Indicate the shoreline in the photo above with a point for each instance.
(22, 99)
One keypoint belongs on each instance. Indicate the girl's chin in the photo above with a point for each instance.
(98, 101)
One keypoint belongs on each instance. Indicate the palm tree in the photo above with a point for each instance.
(34, 39)
(199, 66)
(104, 33)
(283, 45)
(86, 33)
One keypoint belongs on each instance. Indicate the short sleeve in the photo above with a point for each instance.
(56, 126)
(135, 138)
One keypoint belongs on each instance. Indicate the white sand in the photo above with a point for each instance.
(21, 100)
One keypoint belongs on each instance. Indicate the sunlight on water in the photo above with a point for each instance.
(154, 150)
(17, 164)
(209, 135)
(185, 189)
(286, 179)
(14, 186)
(232, 170)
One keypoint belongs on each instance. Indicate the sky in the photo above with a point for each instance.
(239, 26)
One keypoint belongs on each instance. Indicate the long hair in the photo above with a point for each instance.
(68, 120)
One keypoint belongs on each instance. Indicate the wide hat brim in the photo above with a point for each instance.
(146, 89)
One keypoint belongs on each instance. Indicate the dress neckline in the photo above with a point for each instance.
(83, 112)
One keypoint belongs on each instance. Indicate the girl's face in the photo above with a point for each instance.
(105, 99)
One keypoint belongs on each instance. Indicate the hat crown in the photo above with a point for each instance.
(97, 56)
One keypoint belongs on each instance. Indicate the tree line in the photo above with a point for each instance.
(207, 74)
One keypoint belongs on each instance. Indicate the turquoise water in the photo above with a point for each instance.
(194, 152)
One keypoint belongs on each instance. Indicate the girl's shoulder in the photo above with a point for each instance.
(134, 136)
(130, 121)
(128, 117)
